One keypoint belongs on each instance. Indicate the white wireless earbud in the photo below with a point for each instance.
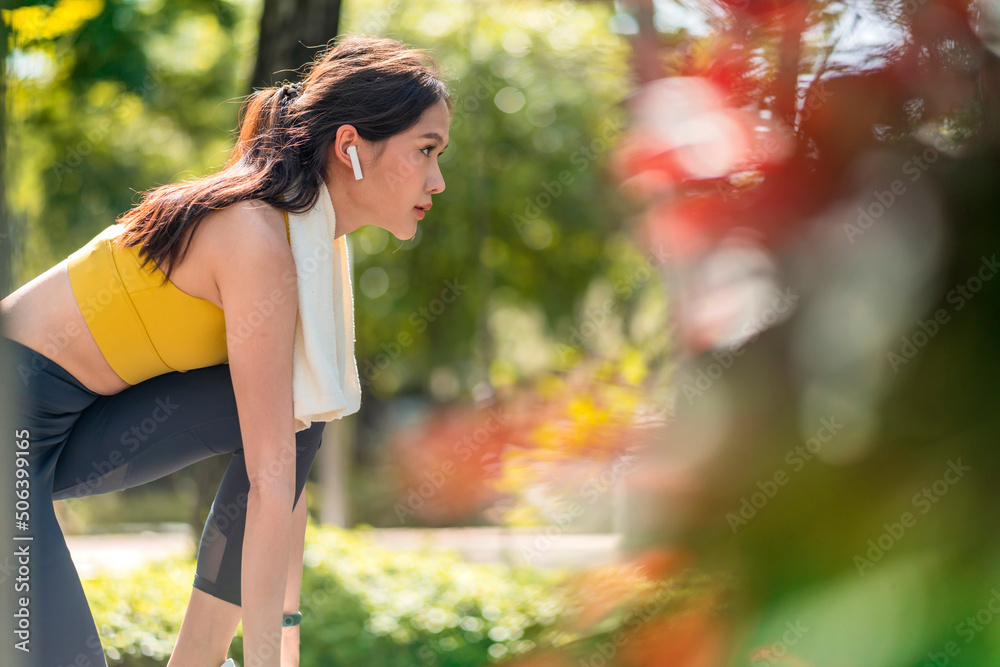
(352, 150)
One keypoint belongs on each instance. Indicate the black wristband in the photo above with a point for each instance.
(292, 619)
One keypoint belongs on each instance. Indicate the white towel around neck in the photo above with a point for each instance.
(325, 381)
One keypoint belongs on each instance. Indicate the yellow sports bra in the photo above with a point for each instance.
(143, 328)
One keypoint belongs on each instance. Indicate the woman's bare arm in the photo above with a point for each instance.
(260, 309)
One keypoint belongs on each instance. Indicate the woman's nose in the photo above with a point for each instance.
(435, 184)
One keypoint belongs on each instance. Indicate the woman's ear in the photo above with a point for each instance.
(346, 136)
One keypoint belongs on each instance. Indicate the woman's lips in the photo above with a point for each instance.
(420, 212)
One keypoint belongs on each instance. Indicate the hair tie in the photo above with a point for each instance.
(289, 92)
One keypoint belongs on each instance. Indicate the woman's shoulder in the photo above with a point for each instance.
(247, 223)
(248, 216)
(247, 234)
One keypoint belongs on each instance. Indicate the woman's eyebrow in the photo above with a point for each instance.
(433, 135)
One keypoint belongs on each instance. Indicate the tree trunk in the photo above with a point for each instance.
(786, 83)
(289, 32)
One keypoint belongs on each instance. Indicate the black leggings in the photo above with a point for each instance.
(75, 442)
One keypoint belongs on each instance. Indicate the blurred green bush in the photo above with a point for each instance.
(361, 603)
(138, 613)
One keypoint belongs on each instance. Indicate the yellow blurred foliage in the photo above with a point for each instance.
(39, 22)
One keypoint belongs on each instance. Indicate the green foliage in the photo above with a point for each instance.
(528, 220)
(367, 604)
(109, 99)
(363, 603)
(360, 603)
(139, 613)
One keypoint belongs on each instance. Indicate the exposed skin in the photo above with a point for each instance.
(405, 175)
(248, 239)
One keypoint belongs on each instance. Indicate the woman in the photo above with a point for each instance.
(369, 120)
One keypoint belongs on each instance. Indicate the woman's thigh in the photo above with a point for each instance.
(162, 425)
(148, 431)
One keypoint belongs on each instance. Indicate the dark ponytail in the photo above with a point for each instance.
(378, 85)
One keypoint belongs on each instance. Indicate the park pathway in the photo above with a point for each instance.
(124, 551)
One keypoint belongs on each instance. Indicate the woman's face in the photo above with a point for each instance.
(397, 187)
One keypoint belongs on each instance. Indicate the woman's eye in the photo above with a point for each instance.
(425, 151)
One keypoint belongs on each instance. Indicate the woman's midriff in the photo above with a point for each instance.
(43, 314)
